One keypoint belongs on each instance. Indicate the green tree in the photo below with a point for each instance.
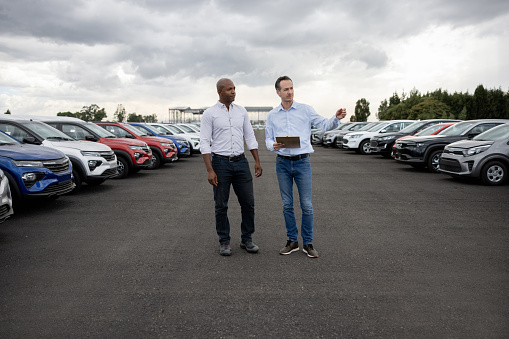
(480, 105)
(151, 118)
(7, 112)
(429, 108)
(92, 113)
(68, 114)
(362, 110)
(133, 117)
(120, 113)
(382, 109)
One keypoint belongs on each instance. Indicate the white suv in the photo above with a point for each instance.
(359, 141)
(92, 162)
(192, 138)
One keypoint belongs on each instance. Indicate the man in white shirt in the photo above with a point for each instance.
(224, 127)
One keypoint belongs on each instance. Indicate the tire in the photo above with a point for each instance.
(77, 181)
(156, 161)
(364, 147)
(122, 167)
(433, 160)
(494, 173)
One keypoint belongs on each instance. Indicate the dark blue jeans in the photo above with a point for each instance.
(237, 175)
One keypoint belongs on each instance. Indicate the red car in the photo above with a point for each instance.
(163, 150)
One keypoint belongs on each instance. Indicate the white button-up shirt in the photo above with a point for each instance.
(223, 131)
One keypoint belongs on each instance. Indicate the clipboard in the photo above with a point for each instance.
(290, 142)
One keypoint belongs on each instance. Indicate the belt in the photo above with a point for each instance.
(295, 157)
(233, 158)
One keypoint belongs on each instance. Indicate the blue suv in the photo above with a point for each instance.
(34, 171)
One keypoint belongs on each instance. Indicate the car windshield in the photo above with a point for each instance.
(186, 129)
(135, 130)
(413, 127)
(458, 128)
(356, 127)
(174, 129)
(46, 131)
(495, 133)
(99, 131)
(429, 130)
(161, 130)
(7, 140)
(369, 126)
(343, 126)
(378, 127)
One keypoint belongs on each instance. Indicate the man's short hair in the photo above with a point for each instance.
(278, 81)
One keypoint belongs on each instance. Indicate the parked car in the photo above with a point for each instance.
(359, 140)
(369, 125)
(132, 155)
(92, 163)
(6, 209)
(188, 128)
(431, 130)
(189, 136)
(317, 135)
(425, 151)
(184, 143)
(330, 137)
(163, 149)
(383, 143)
(485, 157)
(34, 171)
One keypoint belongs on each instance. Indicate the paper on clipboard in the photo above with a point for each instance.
(290, 142)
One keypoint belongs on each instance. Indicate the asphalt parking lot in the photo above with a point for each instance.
(403, 254)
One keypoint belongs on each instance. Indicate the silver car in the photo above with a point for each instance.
(5, 198)
(486, 156)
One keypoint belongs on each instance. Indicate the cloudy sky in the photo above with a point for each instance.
(150, 55)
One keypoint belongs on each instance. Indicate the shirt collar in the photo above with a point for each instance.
(294, 106)
(220, 104)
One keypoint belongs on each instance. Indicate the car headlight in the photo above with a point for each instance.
(387, 138)
(90, 154)
(140, 148)
(475, 150)
(353, 136)
(27, 163)
(166, 144)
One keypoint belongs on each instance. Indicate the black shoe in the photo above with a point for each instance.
(249, 246)
(291, 246)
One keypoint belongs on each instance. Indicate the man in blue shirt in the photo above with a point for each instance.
(293, 164)
(224, 127)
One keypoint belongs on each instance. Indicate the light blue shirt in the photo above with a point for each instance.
(295, 122)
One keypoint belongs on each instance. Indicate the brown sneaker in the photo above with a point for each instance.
(291, 246)
(310, 251)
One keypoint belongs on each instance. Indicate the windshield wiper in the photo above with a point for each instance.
(59, 138)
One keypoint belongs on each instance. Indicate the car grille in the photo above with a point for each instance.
(58, 188)
(57, 166)
(110, 173)
(109, 156)
(456, 151)
(4, 209)
(450, 165)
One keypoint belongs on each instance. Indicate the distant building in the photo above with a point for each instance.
(257, 115)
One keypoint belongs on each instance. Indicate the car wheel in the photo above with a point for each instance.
(156, 161)
(433, 161)
(122, 168)
(494, 173)
(77, 181)
(364, 147)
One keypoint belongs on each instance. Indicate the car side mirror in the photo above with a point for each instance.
(31, 140)
(91, 138)
(383, 131)
(470, 136)
(129, 136)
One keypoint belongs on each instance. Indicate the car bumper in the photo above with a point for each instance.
(459, 165)
(55, 189)
(350, 143)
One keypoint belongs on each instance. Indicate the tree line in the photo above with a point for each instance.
(439, 104)
(94, 113)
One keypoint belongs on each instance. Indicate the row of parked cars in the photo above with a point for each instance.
(472, 148)
(45, 157)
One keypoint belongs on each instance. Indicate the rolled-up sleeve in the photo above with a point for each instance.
(269, 135)
(206, 133)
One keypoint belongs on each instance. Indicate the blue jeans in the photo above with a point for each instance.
(299, 171)
(238, 175)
